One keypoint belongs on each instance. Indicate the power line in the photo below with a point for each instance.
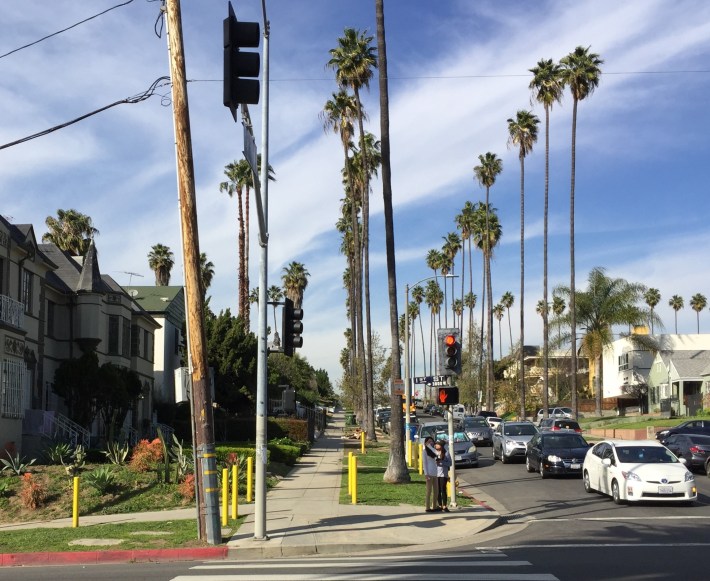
(161, 81)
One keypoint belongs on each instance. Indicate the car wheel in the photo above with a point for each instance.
(528, 466)
(504, 458)
(543, 473)
(587, 482)
(616, 493)
(707, 468)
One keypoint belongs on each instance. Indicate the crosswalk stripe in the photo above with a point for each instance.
(368, 576)
(360, 564)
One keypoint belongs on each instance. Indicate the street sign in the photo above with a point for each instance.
(440, 382)
(427, 379)
(398, 387)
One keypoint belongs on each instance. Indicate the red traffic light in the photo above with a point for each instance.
(448, 395)
(450, 340)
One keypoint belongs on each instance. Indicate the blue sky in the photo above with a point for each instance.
(458, 70)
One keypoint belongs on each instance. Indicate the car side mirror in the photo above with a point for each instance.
(606, 461)
(682, 460)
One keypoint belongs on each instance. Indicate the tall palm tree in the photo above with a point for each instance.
(70, 231)
(464, 222)
(276, 295)
(490, 166)
(676, 303)
(435, 260)
(507, 301)
(206, 274)
(547, 88)
(470, 300)
(498, 312)
(161, 262)
(581, 73)
(238, 173)
(606, 303)
(396, 471)
(698, 302)
(457, 307)
(295, 280)
(413, 316)
(558, 308)
(652, 298)
(418, 297)
(541, 307)
(434, 297)
(522, 132)
(452, 244)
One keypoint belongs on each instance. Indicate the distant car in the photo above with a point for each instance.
(478, 430)
(559, 412)
(465, 453)
(510, 439)
(695, 448)
(556, 453)
(430, 429)
(558, 424)
(689, 427)
(493, 421)
(486, 414)
(637, 470)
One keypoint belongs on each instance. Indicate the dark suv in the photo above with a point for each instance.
(689, 427)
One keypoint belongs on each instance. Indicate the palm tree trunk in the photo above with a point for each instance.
(421, 331)
(522, 287)
(243, 290)
(545, 314)
(396, 471)
(483, 326)
(572, 309)
(247, 306)
(598, 386)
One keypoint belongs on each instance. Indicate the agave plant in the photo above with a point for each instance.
(16, 464)
(102, 479)
(58, 452)
(116, 453)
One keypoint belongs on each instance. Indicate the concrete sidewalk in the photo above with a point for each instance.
(305, 517)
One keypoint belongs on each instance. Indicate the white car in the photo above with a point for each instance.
(493, 422)
(556, 413)
(637, 470)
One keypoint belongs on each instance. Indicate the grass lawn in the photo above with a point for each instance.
(139, 535)
(372, 490)
(634, 423)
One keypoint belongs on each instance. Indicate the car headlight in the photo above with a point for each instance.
(689, 477)
(553, 458)
(509, 444)
(631, 476)
(472, 450)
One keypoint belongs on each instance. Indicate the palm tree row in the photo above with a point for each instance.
(698, 302)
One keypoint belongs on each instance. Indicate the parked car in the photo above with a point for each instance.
(637, 470)
(510, 439)
(465, 453)
(556, 453)
(558, 424)
(478, 430)
(695, 448)
(544, 425)
(559, 412)
(689, 427)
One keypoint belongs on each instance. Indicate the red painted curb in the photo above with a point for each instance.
(96, 557)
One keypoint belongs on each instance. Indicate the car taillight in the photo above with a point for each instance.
(578, 430)
(695, 450)
(554, 428)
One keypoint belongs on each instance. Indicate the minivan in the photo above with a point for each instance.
(458, 411)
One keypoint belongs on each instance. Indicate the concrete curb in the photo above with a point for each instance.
(110, 556)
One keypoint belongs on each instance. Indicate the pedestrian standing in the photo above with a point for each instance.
(430, 474)
(443, 463)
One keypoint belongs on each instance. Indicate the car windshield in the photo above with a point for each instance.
(432, 429)
(520, 430)
(566, 410)
(475, 423)
(644, 455)
(565, 441)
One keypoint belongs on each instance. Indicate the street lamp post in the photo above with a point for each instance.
(407, 372)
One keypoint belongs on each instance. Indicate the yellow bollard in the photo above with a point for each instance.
(362, 442)
(225, 498)
(448, 489)
(75, 504)
(250, 471)
(350, 473)
(410, 457)
(354, 500)
(420, 458)
(235, 490)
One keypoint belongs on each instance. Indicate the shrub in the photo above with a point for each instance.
(16, 464)
(145, 455)
(78, 459)
(33, 493)
(102, 479)
(57, 453)
(116, 453)
(4, 487)
(187, 487)
(182, 459)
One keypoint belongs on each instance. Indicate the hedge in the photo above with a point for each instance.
(244, 429)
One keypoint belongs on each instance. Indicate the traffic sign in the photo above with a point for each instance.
(448, 395)
(427, 379)
(397, 387)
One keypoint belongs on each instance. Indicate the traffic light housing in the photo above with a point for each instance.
(449, 352)
(448, 395)
(291, 327)
(238, 64)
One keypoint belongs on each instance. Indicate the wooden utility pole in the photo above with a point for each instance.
(206, 465)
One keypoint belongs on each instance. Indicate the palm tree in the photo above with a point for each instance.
(434, 297)
(464, 222)
(558, 308)
(206, 274)
(652, 298)
(522, 132)
(295, 280)
(507, 301)
(457, 307)
(547, 88)
(161, 262)
(238, 173)
(486, 174)
(498, 312)
(541, 307)
(276, 295)
(676, 303)
(397, 471)
(606, 303)
(581, 73)
(698, 302)
(418, 297)
(70, 231)
(435, 260)
(470, 300)
(452, 244)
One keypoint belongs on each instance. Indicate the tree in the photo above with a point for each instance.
(434, 297)
(698, 302)
(70, 231)
(161, 262)
(418, 297)
(506, 302)
(581, 73)
(295, 280)
(206, 274)
(118, 390)
(522, 132)
(238, 174)
(652, 298)
(76, 382)
(276, 295)
(396, 471)
(547, 87)
(464, 222)
(541, 307)
(558, 308)
(676, 303)
(607, 302)
(486, 173)
(452, 244)
(498, 312)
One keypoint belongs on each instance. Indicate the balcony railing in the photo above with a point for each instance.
(12, 312)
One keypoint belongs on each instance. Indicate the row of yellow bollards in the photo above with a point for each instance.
(235, 489)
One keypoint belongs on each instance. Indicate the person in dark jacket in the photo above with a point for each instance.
(443, 463)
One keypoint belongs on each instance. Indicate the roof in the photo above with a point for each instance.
(156, 299)
(68, 275)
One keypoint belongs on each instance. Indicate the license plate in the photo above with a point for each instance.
(574, 466)
(480, 437)
(665, 490)
(457, 457)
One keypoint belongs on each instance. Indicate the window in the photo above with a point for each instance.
(147, 345)
(113, 330)
(623, 362)
(126, 338)
(27, 290)
(14, 393)
(50, 319)
(135, 341)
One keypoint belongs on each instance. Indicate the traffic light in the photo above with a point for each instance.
(239, 64)
(448, 395)
(449, 352)
(291, 327)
